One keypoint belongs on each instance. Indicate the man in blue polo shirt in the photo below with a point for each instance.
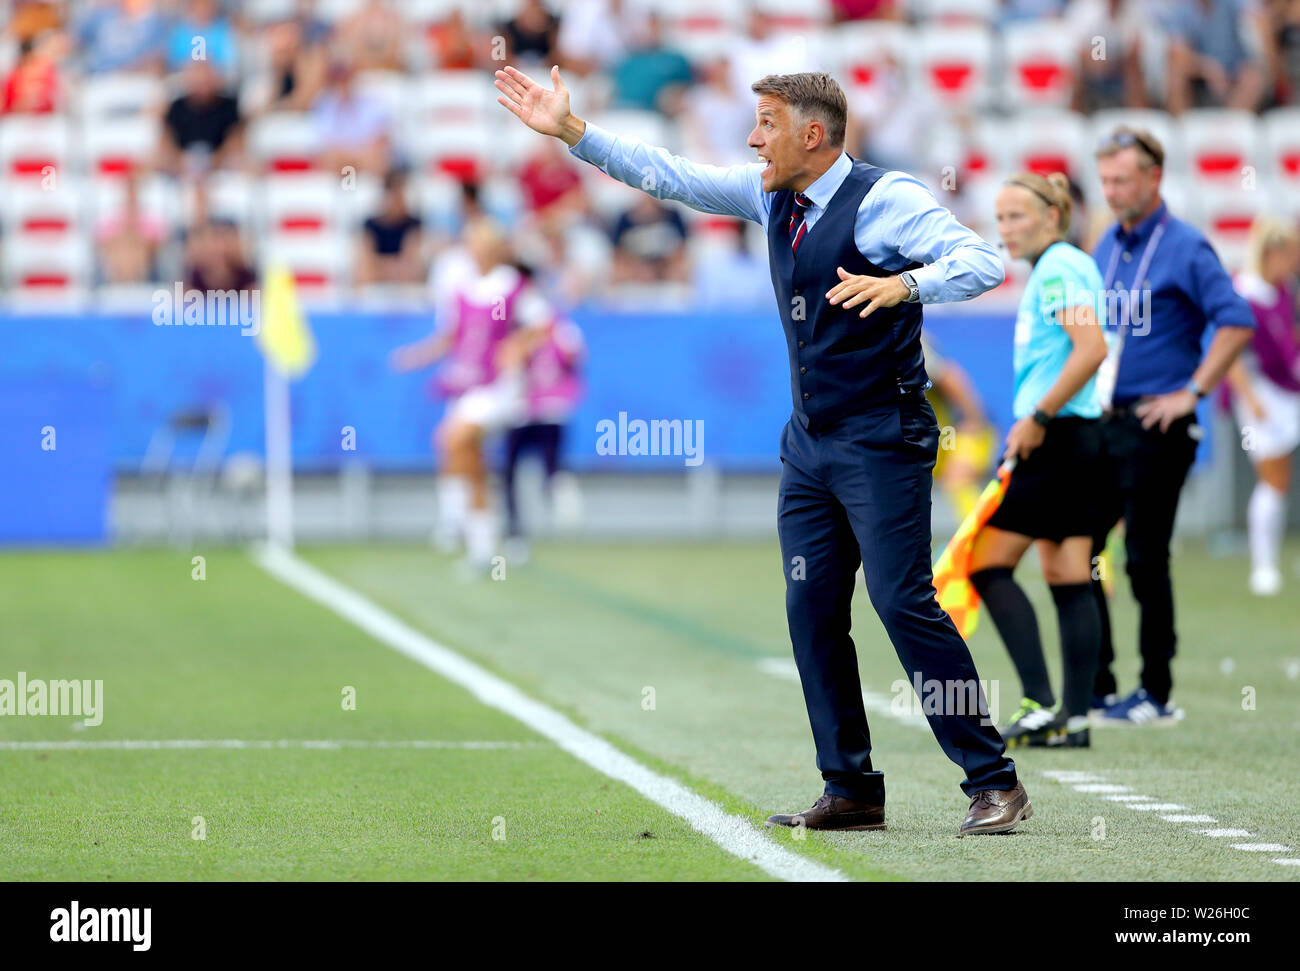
(1169, 287)
(853, 252)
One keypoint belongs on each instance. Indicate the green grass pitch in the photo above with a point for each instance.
(593, 631)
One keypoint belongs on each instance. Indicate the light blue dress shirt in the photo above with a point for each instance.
(899, 221)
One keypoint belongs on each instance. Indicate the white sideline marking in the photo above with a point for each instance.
(734, 834)
(1146, 803)
(1100, 787)
(1262, 847)
(157, 744)
(872, 701)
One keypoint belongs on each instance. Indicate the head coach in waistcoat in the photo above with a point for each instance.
(854, 252)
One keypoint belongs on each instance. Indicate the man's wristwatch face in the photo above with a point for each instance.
(913, 291)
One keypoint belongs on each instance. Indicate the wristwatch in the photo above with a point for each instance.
(914, 291)
(1195, 389)
(1041, 417)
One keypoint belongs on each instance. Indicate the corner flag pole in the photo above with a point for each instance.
(289, 350)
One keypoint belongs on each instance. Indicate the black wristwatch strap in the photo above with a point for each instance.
(1041, 417)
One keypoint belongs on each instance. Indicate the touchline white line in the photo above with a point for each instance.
(1170, 812)
(734, 834)
(327, 744)
(873, 701)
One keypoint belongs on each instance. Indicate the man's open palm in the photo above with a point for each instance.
(541, 110)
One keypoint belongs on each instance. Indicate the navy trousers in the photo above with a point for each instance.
(859, 493)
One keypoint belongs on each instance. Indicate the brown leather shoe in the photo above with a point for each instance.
(834, 812)
(997, 811)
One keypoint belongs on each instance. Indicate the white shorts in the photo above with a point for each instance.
(1278, 432)
(491, 407)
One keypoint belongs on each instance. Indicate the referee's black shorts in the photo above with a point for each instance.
(1058, 490)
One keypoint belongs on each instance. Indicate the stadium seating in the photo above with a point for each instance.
(953, 65)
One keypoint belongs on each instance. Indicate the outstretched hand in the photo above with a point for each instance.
(541, 110)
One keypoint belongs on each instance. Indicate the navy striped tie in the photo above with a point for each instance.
(797, 223)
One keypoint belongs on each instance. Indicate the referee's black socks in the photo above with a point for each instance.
(1013, 615)
(1080, 620)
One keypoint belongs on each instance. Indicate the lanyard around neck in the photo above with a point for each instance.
(1144, 264)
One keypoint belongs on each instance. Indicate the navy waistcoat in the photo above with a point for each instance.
(840, 363)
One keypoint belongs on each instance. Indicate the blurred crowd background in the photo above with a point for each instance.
(150, 141)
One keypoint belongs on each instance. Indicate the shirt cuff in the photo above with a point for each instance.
(929, 281)
(594, 146)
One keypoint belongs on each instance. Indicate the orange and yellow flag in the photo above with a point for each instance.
(952, 572)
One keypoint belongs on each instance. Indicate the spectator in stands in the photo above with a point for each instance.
(717, 120)
(374, 37)
(297, 68)
(202, 33)
(32, 18)
(651, 76)
(121, 35)
(1018, 10)
(730, 276)
(202, 128)
(1283, 25)
(531, 34)
(391, 249)
(650, 244)
(551, 186)
(760, 51)
(1215, 55)
(34, 85)
(353, 127)
(1109, 35)
(127, 241)
(452, 43)
(842, 10)
(214, 258)
(594, 34)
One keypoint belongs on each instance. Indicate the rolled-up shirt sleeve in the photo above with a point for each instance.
(728, 191)
(901, 222)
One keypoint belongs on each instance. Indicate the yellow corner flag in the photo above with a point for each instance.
(284, 337)
(952, 573)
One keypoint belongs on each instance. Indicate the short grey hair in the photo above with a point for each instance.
(815, 96)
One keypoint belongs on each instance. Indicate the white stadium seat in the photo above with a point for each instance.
(113, 146)
(953, 65)
(284, 141)
(1225, 214)
(1281, 134)
(36, 146)
(1049, 141)
(120, 95)
(1038, 65)
(1220, 145)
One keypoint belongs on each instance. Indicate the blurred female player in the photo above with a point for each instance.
(1056, 441)
(489, 321)
(1265, 380)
